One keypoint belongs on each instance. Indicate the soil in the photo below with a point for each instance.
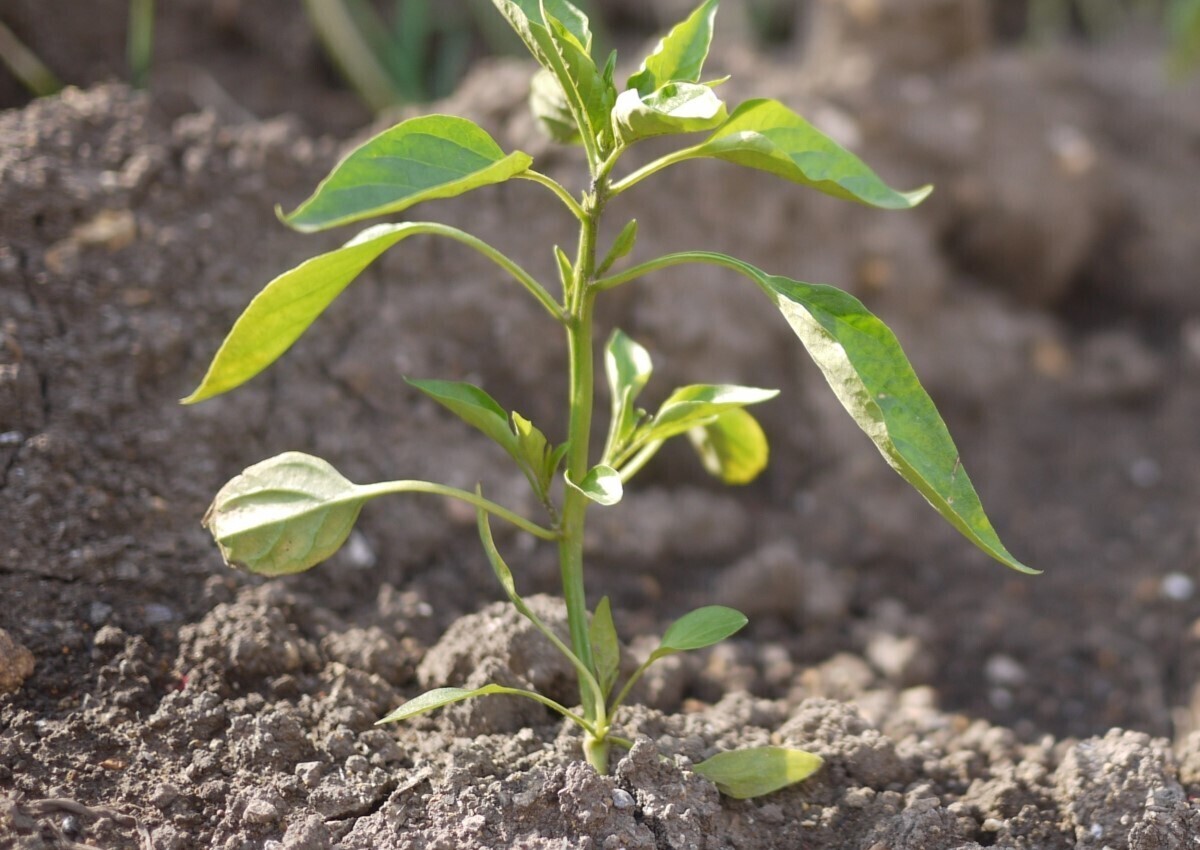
(1047, 295)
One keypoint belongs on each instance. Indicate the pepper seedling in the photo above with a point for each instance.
(293, 511)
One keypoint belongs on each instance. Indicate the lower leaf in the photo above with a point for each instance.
(753, 772)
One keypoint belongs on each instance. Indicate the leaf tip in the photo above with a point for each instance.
(916, 196)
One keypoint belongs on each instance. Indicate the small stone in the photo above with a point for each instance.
(1177, 587)
(621, 798)
(309, 772)
(1004, 671)
(260, 811)
(16, 664)
(474, 823)
(164, 795)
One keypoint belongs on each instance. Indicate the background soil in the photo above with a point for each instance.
(1047, 294)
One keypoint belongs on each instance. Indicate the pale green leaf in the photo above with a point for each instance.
(606, 648)
(566, 270)
(284, 515)
(680, 54)
(437, 698)
(602, 485)
(536, 455)
(732, 447)
(596, 94)
(499, 567)
(284, 309)
(700, 628)
(473, 406)
(766, 135)
(622, 245)
(698, 404)
(673, 108)
(756, 771)
(434, 156)
(549, 105)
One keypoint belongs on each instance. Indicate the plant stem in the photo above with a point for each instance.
(370, 491)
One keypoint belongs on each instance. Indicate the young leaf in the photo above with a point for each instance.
(680, 55)
(286, 306)
(550, 107)
(700, 628)
(756, 771)
(606, 649)
(674, 108)
(437, 698)
(535, 454)
(566, 271)
(766, 135)
(284, 515)
(622, 245)
(602, 485)
(699, 404)
(732, 447)
(434, 156)
(628, 367)
(473, 406)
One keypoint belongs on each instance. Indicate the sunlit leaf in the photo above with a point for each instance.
(548, 102)
(680, 54)
(536, 455)
(698, 404)
(766, 135)
(606, 648)
(438, 698)
(602, 485)
(700, 628)
(732, 447)
(284, 515)
(674, 108)
(756, 771)
(473, 406)
(434, 156)
(628, 367)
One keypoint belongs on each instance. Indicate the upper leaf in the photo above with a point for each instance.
(756, 771)
(680, 55)
(602, 485)
(286, 306)
(698, 404)
(700, 628)
(674, 108)
(434, 156)
(766, 135)
(284, 515)
(732, 447)
(475, 407)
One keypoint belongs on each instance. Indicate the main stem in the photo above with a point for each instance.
(580, 300)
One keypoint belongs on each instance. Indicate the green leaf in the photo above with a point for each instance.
(566, 270)
(732, 447)
(284, 515)
(521, 13)
(602, 485)
(700, 628)
(550, 107)
(756, 771)
(499, 568)
(622, 245)
(536, 455)
(766, 135)
(438, 698)
(628, 367)
(680, 54)
(606, 649)
(596, 94)
(673, 108)
(287, 305)
(473, 406)
(698, 404)
(434, 156)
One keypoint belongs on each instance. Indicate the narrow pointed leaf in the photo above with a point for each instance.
(602, 485)
(622, 245)
(573, 20)
(438, 698)
(536, 455)
(284, 515)
(680, 54)
(700, 628)
(756, 771)
(606, 648)
(732, 447)
(674, 108)
(499, 568)
(434, 156)
(699, 404)
(766, 135)
(566, 270)
(595, 93)
(473, 406)
(286, 306)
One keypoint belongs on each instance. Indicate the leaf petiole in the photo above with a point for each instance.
(412, 486)
(555, 187)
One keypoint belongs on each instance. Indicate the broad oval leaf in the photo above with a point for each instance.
(756, 771)
(766, 135)
(286, 306)
(673, 108)
(606, 648)
(284, 515)
(700, 628)
(475, 407)
(434, 156)
(732, 447)
(698, 404)
(435, 699)
(680, 54)
(602, 485)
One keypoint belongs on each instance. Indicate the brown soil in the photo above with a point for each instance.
(1047, 294)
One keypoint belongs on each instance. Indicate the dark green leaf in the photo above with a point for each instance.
(437, 698)
(680, 54)
(698, 404)
(732, 447)
(602, 485)
(285, 308)
(622, 245)
(673, 108)
(753, 772)
(606, 648)
(700, 628)
(434, 156)
(473, 406)
(284, 515)
(766, 135)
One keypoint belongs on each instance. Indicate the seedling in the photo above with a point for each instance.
(289, 513)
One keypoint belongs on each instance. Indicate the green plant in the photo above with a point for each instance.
(288, 513)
